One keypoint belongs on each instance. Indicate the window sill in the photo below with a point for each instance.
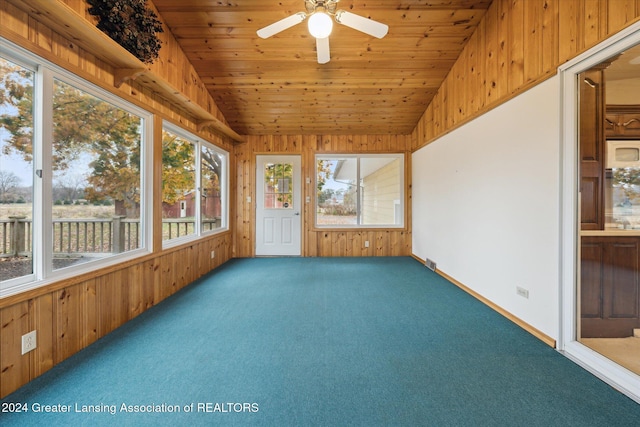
(180, 242)
(71, 276)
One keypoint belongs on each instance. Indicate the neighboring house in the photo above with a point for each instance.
(186, 207)
(380, 191)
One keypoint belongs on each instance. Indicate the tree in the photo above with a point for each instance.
(82, 125)
(8, 182)
(178, 163)
(325, 195)
(279, 178)
(85, 126)
(70, 186)
(211, 169)
(323, 173)
(16, 105)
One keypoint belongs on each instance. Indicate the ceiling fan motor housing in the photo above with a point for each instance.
(328, 6)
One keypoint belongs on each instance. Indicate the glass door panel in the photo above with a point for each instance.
(609, 162)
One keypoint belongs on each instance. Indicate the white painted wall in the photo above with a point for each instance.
(486, 205)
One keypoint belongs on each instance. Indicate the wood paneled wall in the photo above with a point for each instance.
(70, 315)
(73, 313)
(330, 242)
(172, 65)
(518, 44)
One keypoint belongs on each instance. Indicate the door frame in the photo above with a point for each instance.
(600, 366)
(297, 195)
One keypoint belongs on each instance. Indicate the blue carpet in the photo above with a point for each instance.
(321, 342)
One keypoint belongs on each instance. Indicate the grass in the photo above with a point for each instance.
(59, 211)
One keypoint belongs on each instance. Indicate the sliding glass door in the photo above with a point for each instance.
(600, 289)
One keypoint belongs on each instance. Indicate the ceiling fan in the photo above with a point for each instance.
(320, 24)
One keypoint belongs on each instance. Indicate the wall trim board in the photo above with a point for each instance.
(524, 325)
(487, 199)
(515, 319)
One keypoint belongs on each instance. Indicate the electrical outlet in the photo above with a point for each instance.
(213, 254)
(522, 292)
(366, 243)
(29, 342)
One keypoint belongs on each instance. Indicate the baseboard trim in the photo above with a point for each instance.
(524, 325)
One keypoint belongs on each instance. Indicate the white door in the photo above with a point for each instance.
(278, 205)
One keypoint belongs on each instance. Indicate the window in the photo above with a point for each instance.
(360, 191)
(278, 188)
(72, 174)
(16, 170)
(193, 198)
(96, 177)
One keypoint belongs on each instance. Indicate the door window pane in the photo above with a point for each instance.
(96, 186)
(278, 189)
(16, 170)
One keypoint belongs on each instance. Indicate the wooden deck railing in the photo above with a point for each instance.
(91, 236)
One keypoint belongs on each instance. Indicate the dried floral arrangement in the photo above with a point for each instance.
(131, 24)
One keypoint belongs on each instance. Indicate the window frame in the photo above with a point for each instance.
(200, 142)
(359, 156)
(42, 238)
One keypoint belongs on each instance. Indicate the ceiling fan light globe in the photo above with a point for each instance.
(320, 25)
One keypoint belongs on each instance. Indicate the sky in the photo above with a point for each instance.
(14, 163)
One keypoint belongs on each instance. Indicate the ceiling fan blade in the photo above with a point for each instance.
(322, 46)
(360, 23)
(281, 25)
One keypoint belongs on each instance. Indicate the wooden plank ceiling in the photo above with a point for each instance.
(276, 86)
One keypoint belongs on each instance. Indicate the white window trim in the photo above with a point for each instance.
(602, 367)
(45, 73)
(400, 156)
(199, 142)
